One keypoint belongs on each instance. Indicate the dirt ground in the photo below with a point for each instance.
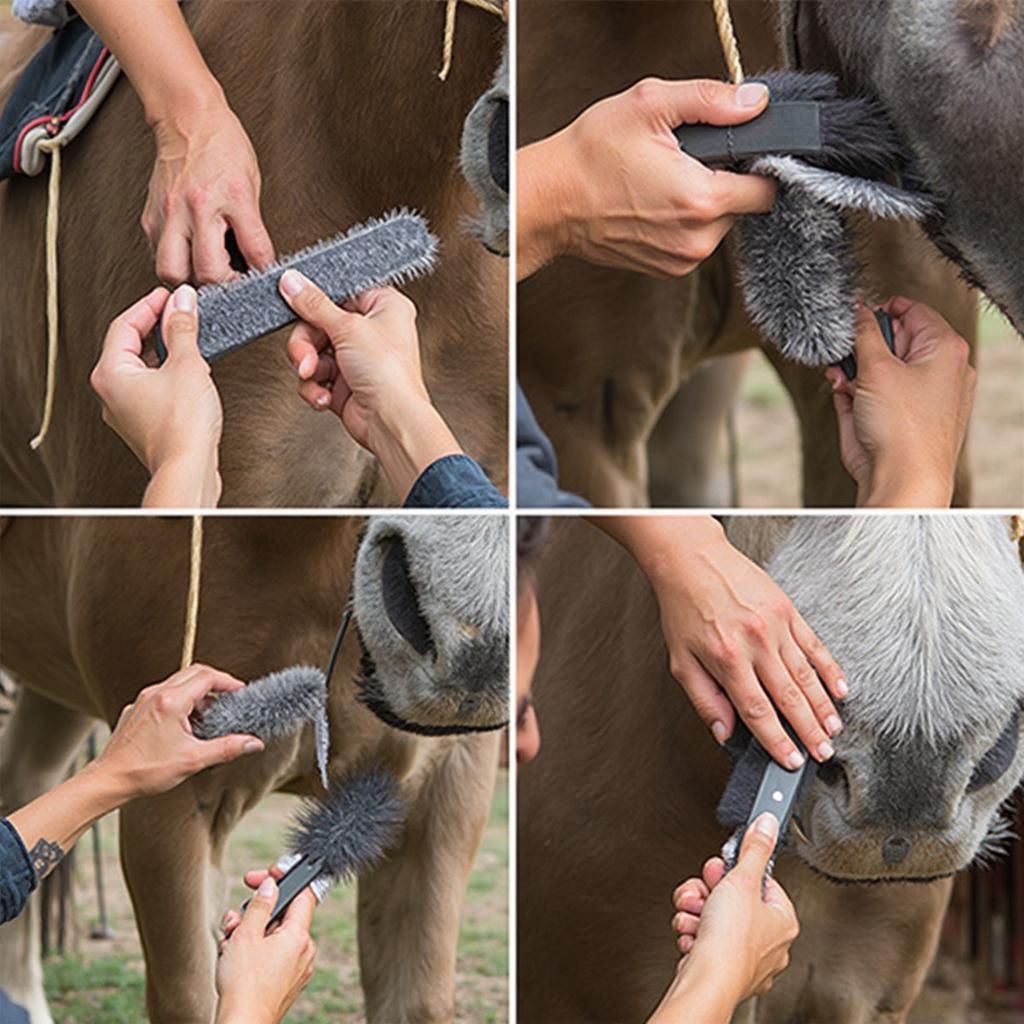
(103, 981)
(769, 445)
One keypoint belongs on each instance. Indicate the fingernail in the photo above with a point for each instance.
(751, 94)
(719, 731)
(307, 366)
(826, 750)
(323, 401)
(795, 760)
(267, 887)
(834, 725)
(184, 300)
(841, 688)
(292, 282)
(767, 824)
(251, 746)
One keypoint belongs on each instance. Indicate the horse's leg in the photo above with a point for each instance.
(409, 907)
(687, 450)
(165, 853)
(36, 749)
(825, 483)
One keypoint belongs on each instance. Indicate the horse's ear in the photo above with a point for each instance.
(986, 22)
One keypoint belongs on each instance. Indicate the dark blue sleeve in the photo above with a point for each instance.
(17, 876)
(454, 481)
(536, 468)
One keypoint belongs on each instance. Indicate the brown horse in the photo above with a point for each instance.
(619, 806)
(604, 353)
(93, 611)
(348, 119)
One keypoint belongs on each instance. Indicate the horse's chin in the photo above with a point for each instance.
(868, 879)
(431, 714)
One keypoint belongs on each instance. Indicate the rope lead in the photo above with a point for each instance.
(53, 147)
(727, 37)
(195, 573)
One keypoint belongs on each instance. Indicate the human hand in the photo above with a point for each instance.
(152, 748)
(205, 180)
(259, 975)
(726, 928)
(170, 416)
(253, 879)
(361, 361)
(613, 188)
(736, 643)
(903, 420)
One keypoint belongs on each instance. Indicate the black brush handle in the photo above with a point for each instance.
(848, 364)
(296, 879)
(790, 127)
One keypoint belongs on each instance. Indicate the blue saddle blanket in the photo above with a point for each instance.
(53, 86)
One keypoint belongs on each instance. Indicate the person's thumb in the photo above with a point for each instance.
(757, 848)
(261, 906)
(869, 342)
(228, 748)
(703, 101)
(180, 327)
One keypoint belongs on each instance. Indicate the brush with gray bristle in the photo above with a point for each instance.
(337, 838)
(388, 251)
(831, 157)
(277, 705)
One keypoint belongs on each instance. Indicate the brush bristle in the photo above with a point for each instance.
(276, 705)
(352, 827)
(387, 251)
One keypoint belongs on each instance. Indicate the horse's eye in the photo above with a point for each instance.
(999, 758)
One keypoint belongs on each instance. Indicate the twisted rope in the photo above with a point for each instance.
(727, 37)
(53, 147)
(496, 7)
(195, 574)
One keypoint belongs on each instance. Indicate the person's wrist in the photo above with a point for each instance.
(664, 552)
(103, 786)
(177, 110)
(542, 194)
(908, 485)
(699, 992)
(190, 479)
(407, 437)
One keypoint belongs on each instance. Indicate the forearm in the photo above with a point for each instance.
(192, 481)
(658, 542)
(407, 440)
(154, 46)
(52, 823)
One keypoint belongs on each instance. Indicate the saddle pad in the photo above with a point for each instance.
(58, 93)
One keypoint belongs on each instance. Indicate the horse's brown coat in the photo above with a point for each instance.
(349, 120)
(602, 352)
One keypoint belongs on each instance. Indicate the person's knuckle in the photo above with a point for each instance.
(646, 93)
(702, 206)
(755, 628)
(707, 91)
(805, 676)
(756, 708)
(98, 378)
(789, 698)
(199, 198)
(725, 651)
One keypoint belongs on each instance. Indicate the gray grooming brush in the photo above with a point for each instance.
(796, 264)
(758, 784)
(276, 705)
(342, 835)
(388, 251)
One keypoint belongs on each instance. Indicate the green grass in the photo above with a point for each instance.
(102, 982)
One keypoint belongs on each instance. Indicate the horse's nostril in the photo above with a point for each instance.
(895, 849)
(401, 601)
(831, 772)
